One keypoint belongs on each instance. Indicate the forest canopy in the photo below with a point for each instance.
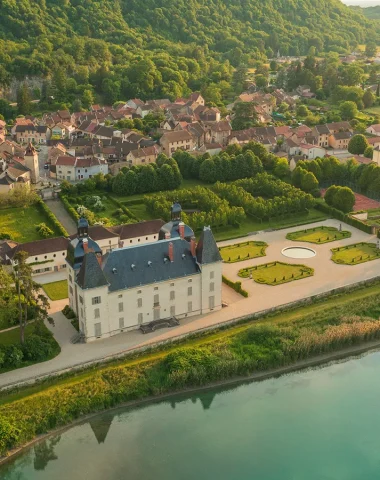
(124, 49)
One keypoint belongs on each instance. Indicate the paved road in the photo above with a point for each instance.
(59, 211)
(328, 276)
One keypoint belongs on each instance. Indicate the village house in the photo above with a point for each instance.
(142, 156)
(311, 151)
(322, 133)
(340, 140)
(374, 130)
(218, 132)
(77, 169)
(134, 285)
(172, 141)
(339, 127)
(39, 134)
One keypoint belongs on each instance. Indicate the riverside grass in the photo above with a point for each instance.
(241, 350)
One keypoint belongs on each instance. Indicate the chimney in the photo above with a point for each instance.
(181, 229)
(192, 246)
(85, 245)
(171, 252)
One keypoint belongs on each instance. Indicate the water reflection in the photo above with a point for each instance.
(44, 452)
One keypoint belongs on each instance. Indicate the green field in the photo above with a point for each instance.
(318, 235)
(20, 223)
(375, 110)
(140, 211)
(355, 254)
(276, 273)
(56, 290)
(243, 251)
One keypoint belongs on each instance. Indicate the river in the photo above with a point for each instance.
(318, 424)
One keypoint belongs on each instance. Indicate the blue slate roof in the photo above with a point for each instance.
(207, 250)
(90, 274)
(75, 251)
(146, 264)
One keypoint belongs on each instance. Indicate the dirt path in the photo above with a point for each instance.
(59, 211)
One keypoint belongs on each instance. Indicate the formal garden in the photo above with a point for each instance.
(56, 290)
(243, 251)
(318, 235)
(355, 254)
(24, 217)
(276, 273)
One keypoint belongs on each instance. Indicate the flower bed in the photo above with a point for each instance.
(318, 235)
(355, 254)
(243, 251)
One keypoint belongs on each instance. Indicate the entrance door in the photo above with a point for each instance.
(211, 302)
(156, 314)
(56, 268)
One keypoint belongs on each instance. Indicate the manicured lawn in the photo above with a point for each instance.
(355, 254)
(13, 336)
(318, 235)
(373, 110)
(140, 211)
(56, 290)
(250, 225)
(20, 223)
(243, 251)
(276, 273)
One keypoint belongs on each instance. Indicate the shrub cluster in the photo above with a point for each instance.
(204, 208)
(44, 230)
(339, 215)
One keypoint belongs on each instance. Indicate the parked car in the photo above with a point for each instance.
(46, 166)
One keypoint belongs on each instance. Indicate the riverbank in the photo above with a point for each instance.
(288, 341)
(318, 361)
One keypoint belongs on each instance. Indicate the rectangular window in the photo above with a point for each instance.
(172, 295)
(97, 313)
(156, 301)
(98, 329)
(172, 284)
(121, 323)
(71, 290)
(139, 302)
(138, 291)
(172, 310)
(211, 275)
(96, 300)
(81, 312)
(156, 288)
(190, 281)
(189, 291)
(120, 296)
(140, 318)
(189, 306)
(212, 286)
(81, 299)
(70, 278)
(121, 307)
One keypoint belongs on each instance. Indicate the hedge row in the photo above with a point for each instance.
(70, 210)
(236, 286)
(354, 222)
(52, 218)
(124, 208)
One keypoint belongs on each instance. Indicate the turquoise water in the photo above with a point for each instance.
(321, 424)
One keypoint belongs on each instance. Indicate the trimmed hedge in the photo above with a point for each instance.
(124, 208)
(52, 218)
(354, 222)
(70, 210)
(236, 286)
